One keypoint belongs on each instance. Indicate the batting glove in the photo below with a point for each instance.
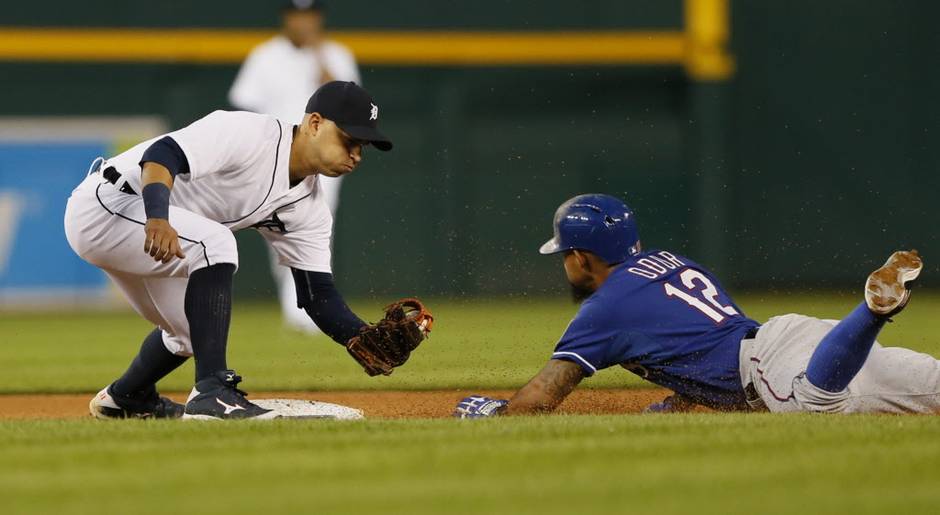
(477, 406)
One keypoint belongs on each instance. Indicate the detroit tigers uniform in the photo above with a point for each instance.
(668, 320)
(277, 78)
(238, 179)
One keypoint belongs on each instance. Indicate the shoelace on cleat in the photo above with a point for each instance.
(233, 384)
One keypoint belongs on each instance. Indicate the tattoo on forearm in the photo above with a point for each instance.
(559, 378)
(547, 389)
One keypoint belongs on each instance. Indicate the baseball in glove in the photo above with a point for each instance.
(381, 347)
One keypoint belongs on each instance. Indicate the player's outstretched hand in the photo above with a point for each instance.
(388, 344)
(162, 242)
(478, 406)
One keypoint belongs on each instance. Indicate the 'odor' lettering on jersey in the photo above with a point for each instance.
(655, 265)
(658, 264)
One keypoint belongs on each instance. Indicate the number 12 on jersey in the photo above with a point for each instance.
(716, 311)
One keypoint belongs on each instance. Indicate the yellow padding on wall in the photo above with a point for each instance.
(370, 47)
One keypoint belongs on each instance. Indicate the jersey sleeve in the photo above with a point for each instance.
(591, 340)
(300, 235)
(223, 140)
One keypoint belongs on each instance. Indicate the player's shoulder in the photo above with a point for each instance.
(600, 309)
(337, 48)
(255, 124)
(241, 116)
(274, 45)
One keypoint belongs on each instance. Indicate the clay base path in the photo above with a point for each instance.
(375, 404)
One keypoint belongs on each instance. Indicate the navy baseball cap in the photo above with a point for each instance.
(352, 109)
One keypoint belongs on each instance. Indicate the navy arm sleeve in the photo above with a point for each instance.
(168, 153)
(317, 295)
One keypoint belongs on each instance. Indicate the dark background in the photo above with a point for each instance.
(806, 168)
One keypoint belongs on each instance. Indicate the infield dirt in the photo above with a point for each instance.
(375, 404)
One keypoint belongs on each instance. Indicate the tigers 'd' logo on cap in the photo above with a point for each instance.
(374, 114)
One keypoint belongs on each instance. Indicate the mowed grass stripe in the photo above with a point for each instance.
(484, 343)
(565, 464)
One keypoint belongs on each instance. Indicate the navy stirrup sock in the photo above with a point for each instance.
(842, 352)
(151, 364)
(208, 307)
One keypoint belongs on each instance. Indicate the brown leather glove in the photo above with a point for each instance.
(381, 347)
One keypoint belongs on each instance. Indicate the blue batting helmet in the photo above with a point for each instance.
(600, 224)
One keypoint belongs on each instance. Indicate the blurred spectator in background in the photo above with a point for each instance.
(277, 78)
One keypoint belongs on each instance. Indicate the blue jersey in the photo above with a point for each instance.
(666, 319)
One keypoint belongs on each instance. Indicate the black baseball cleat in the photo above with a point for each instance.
(146, 404)
(218, 398)
(887, 290)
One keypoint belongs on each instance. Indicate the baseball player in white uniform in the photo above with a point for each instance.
(276, 77)
(159, 218)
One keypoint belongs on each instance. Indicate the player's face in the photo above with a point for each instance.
(337, 152)
(303, 28)
(576, 268)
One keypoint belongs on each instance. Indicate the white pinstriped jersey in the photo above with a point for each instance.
(239, 177)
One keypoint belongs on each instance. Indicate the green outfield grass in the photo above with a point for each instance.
(495, 343)
(663, 464)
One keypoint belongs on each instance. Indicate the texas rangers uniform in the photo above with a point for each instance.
(668, 320)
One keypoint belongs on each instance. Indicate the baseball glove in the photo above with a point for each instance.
(381, 347)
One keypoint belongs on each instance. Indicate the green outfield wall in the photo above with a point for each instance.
(797, 155)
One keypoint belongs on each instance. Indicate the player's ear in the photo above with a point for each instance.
(314, 122)
(583, 262)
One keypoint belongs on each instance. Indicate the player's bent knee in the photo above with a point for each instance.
(219, 247)
(178, 344)
(811, 398)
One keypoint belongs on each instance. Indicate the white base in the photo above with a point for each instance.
(266, 416)
(295, 408)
